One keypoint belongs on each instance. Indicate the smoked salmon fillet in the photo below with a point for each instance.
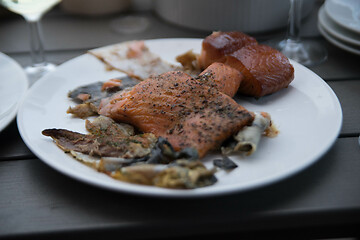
(184, 110)
(265, 70)
(223, 77)
(219, 44)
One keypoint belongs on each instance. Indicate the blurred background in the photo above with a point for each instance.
(120, 20)
(256, 17)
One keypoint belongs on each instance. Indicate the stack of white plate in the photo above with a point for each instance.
(339, 23)
(13, 87)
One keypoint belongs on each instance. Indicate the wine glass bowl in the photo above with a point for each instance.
(305, 52)
(32, 11)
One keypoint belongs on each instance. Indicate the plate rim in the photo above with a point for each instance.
(193, 193)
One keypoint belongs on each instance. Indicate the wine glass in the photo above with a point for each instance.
(32, 11)
(306, 52)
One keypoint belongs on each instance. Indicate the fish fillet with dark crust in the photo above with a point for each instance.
(222, 77)
(265, 70)
(219, 44)
(185, 111)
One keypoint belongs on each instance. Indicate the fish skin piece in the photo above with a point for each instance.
(106, 126)
(265, 69)
(181, 174)
(183, 110)
(223, 77)
(133, 58)
(219, 44)
(104, 145)
(247, 139)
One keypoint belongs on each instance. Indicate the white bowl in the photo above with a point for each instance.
(94, 7)
(249, 16)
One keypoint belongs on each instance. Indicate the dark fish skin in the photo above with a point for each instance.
(164, 153)
(225, 163)
(101, 146)
(94, 90)
(88, 97)
(69, 140)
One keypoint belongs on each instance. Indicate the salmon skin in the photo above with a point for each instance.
(219, 44)
(185, 111)
(265, 70)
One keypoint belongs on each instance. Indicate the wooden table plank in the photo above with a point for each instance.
(56, 57)
(348, 92)
(41, 200)
(12, 146)
(339, 65)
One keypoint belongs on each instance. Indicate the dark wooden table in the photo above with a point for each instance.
(38, 202)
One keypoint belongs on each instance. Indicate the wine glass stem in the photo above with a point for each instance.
(293, 32)
(36, 42)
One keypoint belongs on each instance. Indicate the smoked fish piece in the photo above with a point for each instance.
(103, 145)
(181, 109)
(219, 44)
(133, 58)
(265, 69)
(223, 77)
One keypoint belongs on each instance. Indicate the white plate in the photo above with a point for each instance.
(13, 86)
(345, 13)
(338, 42)
(307, 113)
(336, 30)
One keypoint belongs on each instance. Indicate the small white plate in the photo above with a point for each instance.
(338, 42)
(307, 113)
(336, 30)
(345, 13)
(13, 86)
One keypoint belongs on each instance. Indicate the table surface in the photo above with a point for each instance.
(37, 201)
